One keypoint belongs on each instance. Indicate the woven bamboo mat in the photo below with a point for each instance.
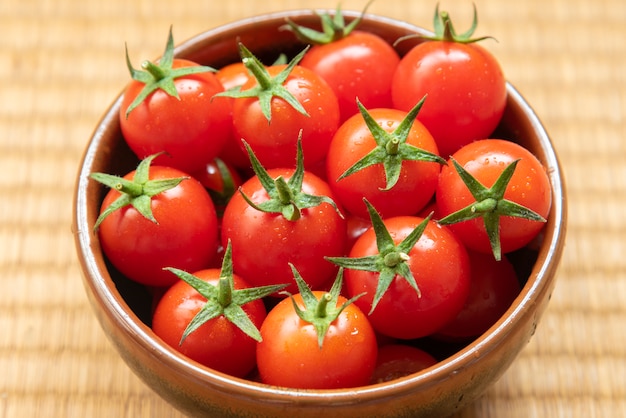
(61, 64)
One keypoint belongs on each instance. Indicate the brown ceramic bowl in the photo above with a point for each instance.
(122, 307)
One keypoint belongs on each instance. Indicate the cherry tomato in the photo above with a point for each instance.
(353, 140)
(184, 234)
(399, 360)
(360, 65)
(264, 243)
(465, 85)
(191, 129)
(356, 64)
(274, 142)
(493, 288)
(290, 355)
(438, 262)
(218, 343)
(486, 160)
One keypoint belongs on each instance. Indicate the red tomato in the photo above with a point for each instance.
(440, 265)
(184, 234)
(290, 356)
(399, 360)
(191, 130)
(360, 65)
(275, 143)
(353, 140)
(493, 288)
(264, 243)
(218, 343)
(465, 85)
(485, 160)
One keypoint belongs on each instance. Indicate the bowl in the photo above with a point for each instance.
(123, 307)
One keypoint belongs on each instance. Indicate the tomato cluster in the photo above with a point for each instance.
(310, 223)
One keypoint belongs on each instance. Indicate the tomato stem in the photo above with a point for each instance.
(259, 72)
(285, 196)
(393, 146)
(321, 309)
(225, 291)
(157, 72)
(484, 206)
(130, 188)
(394, 258)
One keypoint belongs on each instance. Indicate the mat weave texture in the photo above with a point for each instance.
(62, 64)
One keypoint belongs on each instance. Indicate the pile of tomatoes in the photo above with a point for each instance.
(308, 223)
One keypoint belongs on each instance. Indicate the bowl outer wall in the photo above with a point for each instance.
(196, 390)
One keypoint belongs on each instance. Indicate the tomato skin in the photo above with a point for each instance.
(493, 288)
(185, 236)
(191, 131)
(399, 360)
(360, 65)
(485, 160)
(264, 243)
(440, 266)
(353, 140)
(218, 343)
(466, 91)
(230, 76)
(275, 143)
(289, 354)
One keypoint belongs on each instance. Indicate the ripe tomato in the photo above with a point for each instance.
(299, 352)
(399, 360)
(360, 65)
(356, 64)
(493, 288)
(354, 140)
(218, 343)
(273, 136)
(465, 85)
(528, 187)
(264, 243)
(183, 233)
(169, 108)
(439, 264)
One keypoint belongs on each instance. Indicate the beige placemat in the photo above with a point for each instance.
(61, 64)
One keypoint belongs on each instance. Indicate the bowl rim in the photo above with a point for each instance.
(101, 288)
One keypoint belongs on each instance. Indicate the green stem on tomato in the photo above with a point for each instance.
(155, 71)
(225, 291)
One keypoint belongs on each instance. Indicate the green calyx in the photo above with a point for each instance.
(391, 260)
(267, 86)
(444, 30)
(490, 204)
(224, 299)
(160, 76)
(334, 27)
(285, 196)
(137, 192)
(391, 148)
(321, 313)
